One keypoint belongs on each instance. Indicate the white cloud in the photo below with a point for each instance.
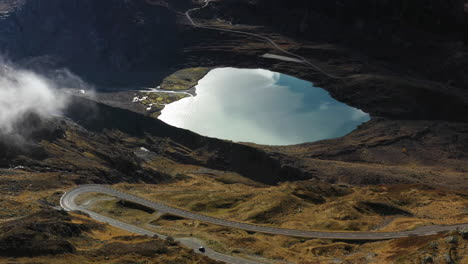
(23, 92)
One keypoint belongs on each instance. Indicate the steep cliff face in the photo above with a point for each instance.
(107, 34)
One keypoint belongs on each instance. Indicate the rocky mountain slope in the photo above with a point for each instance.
(419, 38)
(379, 17)
(87, 36)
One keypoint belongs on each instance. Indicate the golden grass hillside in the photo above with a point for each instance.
(309, 205)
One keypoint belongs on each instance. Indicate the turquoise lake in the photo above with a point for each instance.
(263, 107)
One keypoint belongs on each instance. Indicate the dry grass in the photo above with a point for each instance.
(278, 206)
(184, 79)
(228, 195)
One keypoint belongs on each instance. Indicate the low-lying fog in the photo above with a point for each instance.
(24, 92)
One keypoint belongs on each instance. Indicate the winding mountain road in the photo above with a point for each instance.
(268, 40)
(68, 203)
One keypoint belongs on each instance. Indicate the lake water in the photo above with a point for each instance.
(263, 107)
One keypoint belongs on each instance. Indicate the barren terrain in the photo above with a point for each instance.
(406, 168)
